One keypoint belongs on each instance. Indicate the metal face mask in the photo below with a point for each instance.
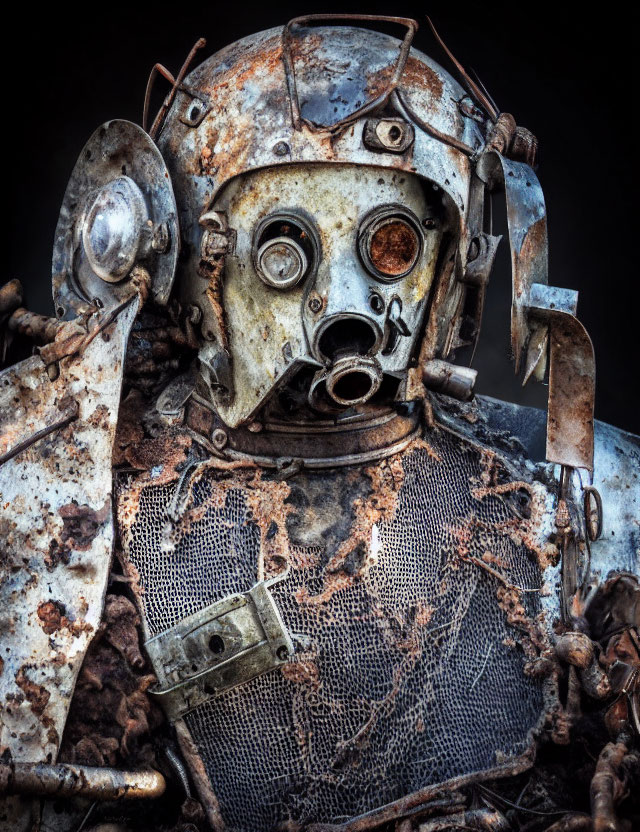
(328, 284)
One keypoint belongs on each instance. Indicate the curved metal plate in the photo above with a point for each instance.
(117, 149)
(57, 530)
(527, 219)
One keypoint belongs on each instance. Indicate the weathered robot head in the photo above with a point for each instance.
(353, 590)
(330, 213)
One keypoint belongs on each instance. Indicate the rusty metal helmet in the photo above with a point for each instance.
(324, 100)
(303, 95)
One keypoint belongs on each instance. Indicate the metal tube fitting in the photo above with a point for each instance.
(353, 379)
(450, 379)
(65, 780)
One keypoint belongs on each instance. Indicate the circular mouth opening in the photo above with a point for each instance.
(351, 335)
(352, 387)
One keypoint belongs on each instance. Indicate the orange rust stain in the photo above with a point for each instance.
(304, 557)
(51, 615)
(494, 560)
(424, 614)
(306, 49)
(266, 499)
(533, 639)
(533, 243)
(394, 247)
(303, 672)
(214, 296)
(420, 75)
(37, 695)
(503, 488)
(378, 82)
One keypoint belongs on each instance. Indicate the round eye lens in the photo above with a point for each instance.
(393, 247)
(281, 262)
(111, 233)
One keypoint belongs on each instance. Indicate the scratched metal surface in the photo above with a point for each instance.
(56, 524)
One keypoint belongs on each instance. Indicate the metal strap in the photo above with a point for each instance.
(218, 648)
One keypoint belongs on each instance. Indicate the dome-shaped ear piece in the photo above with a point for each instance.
(118, 212)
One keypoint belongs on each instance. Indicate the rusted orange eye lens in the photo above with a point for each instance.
(394, 247)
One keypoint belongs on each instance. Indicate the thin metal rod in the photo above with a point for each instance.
(290, 74)
(405, 109)
(471, 84)
(71, 416)
(65, 780)
(199, 44)
(158, 69)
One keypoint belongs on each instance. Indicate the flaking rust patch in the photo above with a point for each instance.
(159, 461)
(534, 640)
(268, 510)
(52, 618)
(356, 554)
(303, 672)
(81, 524)
(525, 530)
(267, 501)
(36, 695)
(419, 443)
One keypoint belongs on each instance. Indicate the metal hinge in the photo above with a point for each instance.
(224, 645)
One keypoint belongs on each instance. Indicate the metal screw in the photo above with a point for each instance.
(282, 653)
(219, 438)
(281, 149)
(315, 302)
(429, 222)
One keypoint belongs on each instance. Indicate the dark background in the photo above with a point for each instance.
(565, 74)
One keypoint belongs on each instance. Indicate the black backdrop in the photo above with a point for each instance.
(565, 74)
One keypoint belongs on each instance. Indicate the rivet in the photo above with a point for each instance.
(219, 438)
(315, 302)
(281, 149)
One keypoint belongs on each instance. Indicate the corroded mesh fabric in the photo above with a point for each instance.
(408, 670)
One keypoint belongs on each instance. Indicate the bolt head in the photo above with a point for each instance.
(219, 438)
(281, 149)
(315, 302)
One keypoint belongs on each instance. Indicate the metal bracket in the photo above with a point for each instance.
(571, 377)
(224, 645)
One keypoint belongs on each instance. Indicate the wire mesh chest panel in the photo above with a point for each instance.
(413, 644)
